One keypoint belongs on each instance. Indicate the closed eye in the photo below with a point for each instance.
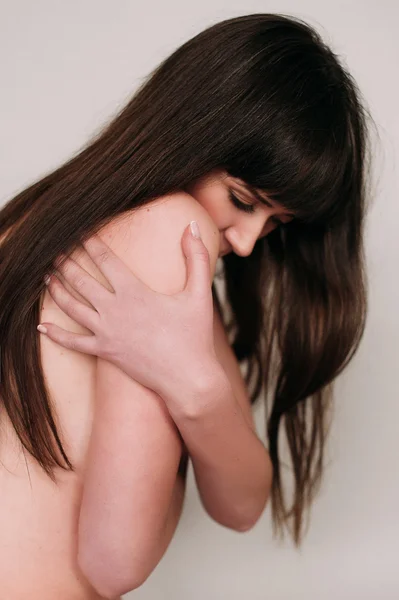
(248, 208)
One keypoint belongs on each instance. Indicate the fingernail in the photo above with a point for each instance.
(195, 229)
(47, 279)
(42, 328)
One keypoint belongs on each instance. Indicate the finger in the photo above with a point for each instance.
(72, 341)
(82, 281)
(111, 266)
(198, 263)
(79, 312)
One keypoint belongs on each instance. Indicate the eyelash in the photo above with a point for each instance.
(248, 208)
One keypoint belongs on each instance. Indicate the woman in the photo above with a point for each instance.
(256, 131)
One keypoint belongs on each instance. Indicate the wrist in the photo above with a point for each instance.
(196, 391)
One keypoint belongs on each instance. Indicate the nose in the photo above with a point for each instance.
(243, 238)
(243, 249)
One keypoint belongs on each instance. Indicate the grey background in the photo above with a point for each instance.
(66, 67)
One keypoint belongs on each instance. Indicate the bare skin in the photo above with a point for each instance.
(38, 520)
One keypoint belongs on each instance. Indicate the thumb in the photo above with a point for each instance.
(197, 260)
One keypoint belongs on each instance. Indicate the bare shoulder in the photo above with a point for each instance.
(148, 240)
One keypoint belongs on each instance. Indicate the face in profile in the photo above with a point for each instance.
(241, 217)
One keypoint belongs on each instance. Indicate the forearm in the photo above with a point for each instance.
(132, 497)
(232, 467)
(108, 586)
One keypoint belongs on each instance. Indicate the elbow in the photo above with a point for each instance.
(251, 514)
(237, 523)
(240, 521)
(108, 577)
(245, 522)
(243, 515)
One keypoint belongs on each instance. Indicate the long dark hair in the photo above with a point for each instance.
(263, 97)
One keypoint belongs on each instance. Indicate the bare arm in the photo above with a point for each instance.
(258, 470)
(132, 495)
(232, 467)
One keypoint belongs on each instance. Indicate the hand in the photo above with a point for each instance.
(163, 330)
